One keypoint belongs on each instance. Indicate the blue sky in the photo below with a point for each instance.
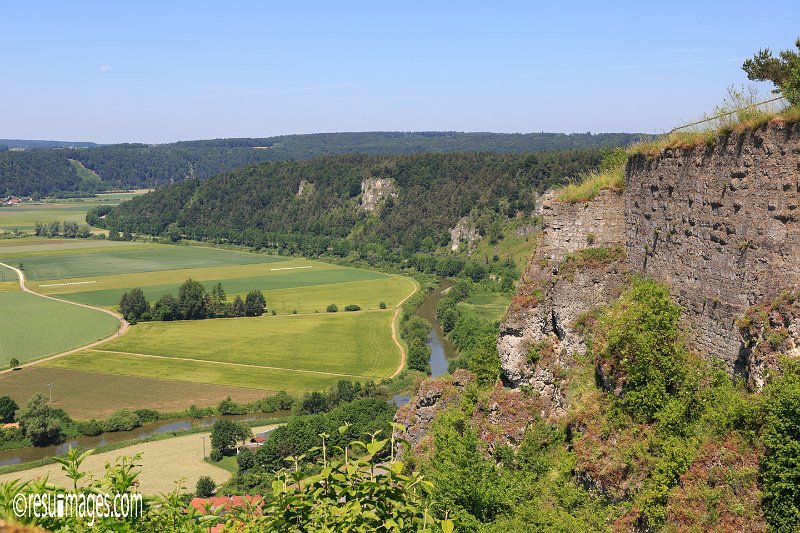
(170, 70)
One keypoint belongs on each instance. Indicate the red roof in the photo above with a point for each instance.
(226, 503)
(259, 439)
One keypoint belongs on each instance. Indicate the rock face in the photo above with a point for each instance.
(541, 332)
(719, 225)
(305, 187)
(373, 190)
(432, 397)
(464, 233)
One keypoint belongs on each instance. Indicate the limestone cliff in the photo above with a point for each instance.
(719, 224)
(464, 233)
(560, 286)
(374, 190)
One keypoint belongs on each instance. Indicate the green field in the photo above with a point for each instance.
(486, 305)
(346, 343)
(25, 216)
(34, 327)
(137, 259)
(310, 350)
(210, 373)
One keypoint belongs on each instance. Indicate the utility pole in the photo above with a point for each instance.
(50, 386)
(204, 447)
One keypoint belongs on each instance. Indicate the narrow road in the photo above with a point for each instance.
(395, 338)
(122, 329)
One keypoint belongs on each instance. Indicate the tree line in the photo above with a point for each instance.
(193, 302)
(67, 228)
(43, 171)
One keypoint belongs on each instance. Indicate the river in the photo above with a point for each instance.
(24, 455)
(442, 350)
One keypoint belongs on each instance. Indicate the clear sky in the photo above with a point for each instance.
(114, 71)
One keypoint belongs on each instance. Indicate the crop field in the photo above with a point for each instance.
(85, 395)
(25, 216)
(294, 353)
(133, 259)
(34, 327)
(301, 348)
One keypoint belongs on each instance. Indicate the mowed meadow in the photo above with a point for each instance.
(299, 348)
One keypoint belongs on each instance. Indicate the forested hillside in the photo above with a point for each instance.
(259, 205)
(44, 171)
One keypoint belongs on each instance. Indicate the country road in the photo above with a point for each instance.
(122, 329)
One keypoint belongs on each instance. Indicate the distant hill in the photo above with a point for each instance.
(311, 206)
(45, 171)
(27, 144)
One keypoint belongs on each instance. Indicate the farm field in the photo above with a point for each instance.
(162, 462)
(56, 265)
(33, 327)
(24, 217)
(301, 348)
(351, 343)
(86, 395)
(486, 305)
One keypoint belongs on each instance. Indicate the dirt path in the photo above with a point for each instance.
(122, 329)
(163, 462)
(395, 338)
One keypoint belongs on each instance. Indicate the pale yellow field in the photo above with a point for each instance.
(162, 463)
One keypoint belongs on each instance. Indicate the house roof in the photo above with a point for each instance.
(215, 503)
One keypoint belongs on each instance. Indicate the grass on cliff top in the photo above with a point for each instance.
(746, 121)
(737, 114)
(610, 175)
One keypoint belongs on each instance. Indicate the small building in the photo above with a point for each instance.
(254, 444)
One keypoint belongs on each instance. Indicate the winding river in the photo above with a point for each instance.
(442, 350)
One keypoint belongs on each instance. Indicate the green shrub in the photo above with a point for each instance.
(205, 487)
(122, 420)
(382, 305)
(90, 428)
(7, 409)
(636, 346)
(352, 307)
(780, 466)
(333, 308)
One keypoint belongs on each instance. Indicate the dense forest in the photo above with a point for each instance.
(259, 205)
(42, 169)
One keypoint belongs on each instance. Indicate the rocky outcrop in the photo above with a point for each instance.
(559, 289)
(500, 420)
(464, 233)
(374, 190)
(719, 225)
(305, 188)
(769, 332)
(432, 397)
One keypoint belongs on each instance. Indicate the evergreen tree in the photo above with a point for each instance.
(255, 303)
(236, 308)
